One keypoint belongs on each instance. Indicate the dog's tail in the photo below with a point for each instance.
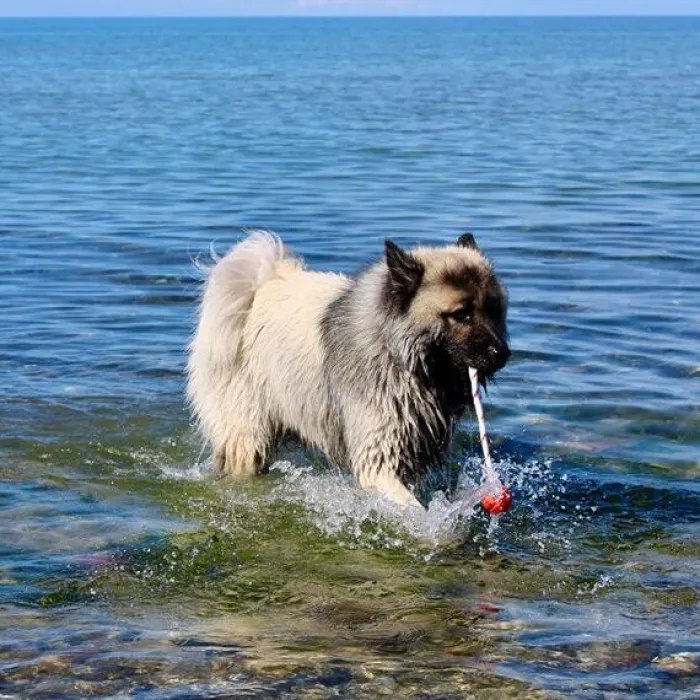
(229, 290)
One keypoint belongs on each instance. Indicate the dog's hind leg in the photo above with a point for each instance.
(246, 439)
(242, 453)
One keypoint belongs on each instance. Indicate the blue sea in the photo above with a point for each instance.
(129, 148)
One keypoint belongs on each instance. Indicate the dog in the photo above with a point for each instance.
(372, 370)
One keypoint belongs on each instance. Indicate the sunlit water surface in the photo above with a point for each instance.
(571, 149)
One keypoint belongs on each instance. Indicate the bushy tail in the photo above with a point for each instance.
(228, 295)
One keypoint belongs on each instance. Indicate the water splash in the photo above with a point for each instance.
(339, 507)
(199, 471)
(333, 504)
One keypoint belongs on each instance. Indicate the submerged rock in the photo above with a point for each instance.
(604, 656)
(685, 663)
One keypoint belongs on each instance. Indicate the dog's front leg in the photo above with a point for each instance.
(375, 469)
(391, 486)
(375, 454)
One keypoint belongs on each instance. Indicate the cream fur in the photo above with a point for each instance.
(260, 365)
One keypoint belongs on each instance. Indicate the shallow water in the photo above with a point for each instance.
(569, 147)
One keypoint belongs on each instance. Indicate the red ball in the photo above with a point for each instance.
(497, 502)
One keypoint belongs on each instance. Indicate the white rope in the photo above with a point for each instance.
(490, 476)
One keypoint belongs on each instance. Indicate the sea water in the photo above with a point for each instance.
(569, 147)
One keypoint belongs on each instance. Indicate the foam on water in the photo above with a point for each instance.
(194, 472)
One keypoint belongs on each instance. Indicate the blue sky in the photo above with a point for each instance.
(342, 7)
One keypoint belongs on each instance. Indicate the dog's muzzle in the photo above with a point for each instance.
(496, 357)
(492, 353)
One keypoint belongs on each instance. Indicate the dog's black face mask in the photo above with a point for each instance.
(474, 337)
(479, 345)
(475, 333)
(465, 343)
(468, 303)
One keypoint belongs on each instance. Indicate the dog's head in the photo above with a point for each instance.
(452, 296)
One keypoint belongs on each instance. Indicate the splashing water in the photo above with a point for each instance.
(334, 505)
(339, 506)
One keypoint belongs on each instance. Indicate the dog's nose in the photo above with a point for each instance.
(498, 356)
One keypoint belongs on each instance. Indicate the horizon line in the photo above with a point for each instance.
(425, 15)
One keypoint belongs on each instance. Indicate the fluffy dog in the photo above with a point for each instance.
(372, 370)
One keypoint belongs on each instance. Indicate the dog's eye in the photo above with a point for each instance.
(463, 315)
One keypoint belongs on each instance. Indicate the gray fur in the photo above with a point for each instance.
(374, 379)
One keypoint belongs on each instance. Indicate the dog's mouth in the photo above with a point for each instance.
(484, 378)
(485, 374)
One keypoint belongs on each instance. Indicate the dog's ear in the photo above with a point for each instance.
(466, 240)
(405, 276)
